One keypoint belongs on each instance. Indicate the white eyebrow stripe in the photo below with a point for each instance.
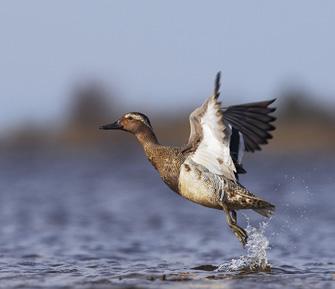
(138, 117)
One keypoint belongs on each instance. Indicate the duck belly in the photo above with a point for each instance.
(200, 186)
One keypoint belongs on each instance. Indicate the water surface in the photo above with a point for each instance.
(107, 221)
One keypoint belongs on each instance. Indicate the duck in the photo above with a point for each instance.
(206, 169)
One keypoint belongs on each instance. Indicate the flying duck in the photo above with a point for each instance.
(205, 170)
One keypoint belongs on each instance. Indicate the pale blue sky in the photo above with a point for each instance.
(161, 55)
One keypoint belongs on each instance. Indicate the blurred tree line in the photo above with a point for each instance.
(301, 125)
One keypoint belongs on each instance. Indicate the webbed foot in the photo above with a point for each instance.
(239, 232)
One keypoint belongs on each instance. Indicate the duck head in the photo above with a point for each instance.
(133, 122)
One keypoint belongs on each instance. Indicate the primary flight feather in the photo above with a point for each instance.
(206, 169)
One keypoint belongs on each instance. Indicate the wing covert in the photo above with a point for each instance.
(209, 140)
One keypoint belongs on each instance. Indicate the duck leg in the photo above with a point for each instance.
(239, 232)
(234, 216)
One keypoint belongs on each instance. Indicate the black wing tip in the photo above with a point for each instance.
(253, 120)
(218, 76)
(266, 103)
(217, 84)
(271, 101)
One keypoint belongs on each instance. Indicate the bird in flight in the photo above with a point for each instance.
(205, 170)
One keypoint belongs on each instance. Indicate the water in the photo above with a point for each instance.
(256, 259)
(107, 221)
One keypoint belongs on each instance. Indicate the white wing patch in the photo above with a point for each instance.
(213, 151)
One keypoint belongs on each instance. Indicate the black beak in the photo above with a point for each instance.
(114, 125)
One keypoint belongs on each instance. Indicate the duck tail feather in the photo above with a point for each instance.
(266, 209)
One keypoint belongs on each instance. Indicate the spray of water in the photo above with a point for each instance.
(256, 258)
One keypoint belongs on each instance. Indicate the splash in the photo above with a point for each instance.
(256, 258)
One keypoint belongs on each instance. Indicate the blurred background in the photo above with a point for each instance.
(85, 205)
(68, 66)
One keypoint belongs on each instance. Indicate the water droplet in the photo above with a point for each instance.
(256, 258)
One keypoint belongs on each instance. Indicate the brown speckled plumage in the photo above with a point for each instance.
(205, 170)
(167, 161)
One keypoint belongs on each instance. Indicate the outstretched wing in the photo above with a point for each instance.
(253, 121)
(209, 140)
(243, 127)
(251, 125)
